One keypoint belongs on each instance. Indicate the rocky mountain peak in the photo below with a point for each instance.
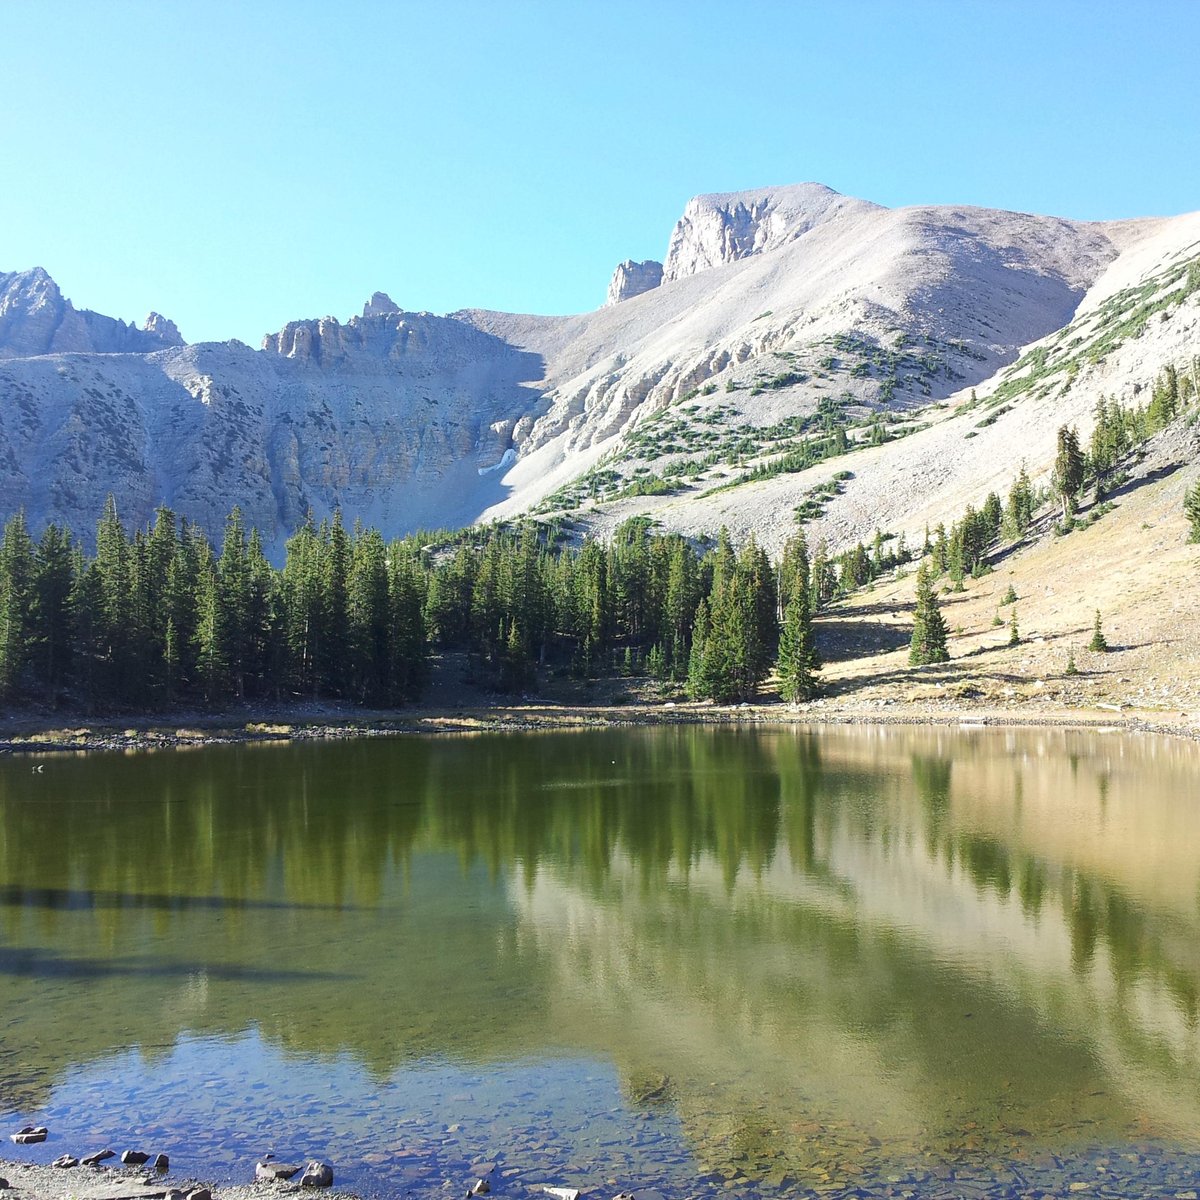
(163, 328)
(36, 319)
(379, 305)
(723, 227)
(633, 278)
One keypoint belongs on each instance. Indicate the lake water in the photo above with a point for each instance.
(694, 961)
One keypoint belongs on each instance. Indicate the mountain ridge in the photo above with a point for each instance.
(773, 305)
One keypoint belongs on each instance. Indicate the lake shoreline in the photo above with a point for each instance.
(36, 1181)
(41, 734)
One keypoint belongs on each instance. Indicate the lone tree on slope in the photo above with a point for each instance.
(1069, 466)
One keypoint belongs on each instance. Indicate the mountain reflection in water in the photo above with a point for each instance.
(806, 945)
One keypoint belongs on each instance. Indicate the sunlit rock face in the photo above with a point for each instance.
(632, 279)
(35, 318)
(767, 304)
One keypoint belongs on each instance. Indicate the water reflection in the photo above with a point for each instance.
(810, 947)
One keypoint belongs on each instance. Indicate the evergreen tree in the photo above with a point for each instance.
(1014, 634)
(52, 627)
(1068, 471)
(1099, 642)
(369, 616)
(1018, 512)
(798, 660)
(697, 669)
(929, 627)
(16, 594)
(1191, 509)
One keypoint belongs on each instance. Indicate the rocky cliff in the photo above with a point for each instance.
(772, 310)
(36, 319)
(633, 278)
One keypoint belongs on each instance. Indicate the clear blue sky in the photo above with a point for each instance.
(236, 165)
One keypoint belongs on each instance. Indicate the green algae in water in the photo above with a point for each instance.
(686, 959)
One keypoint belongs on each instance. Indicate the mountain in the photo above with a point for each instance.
(775, 316)
(35, 319)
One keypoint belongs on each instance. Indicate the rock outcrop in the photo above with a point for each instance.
(726, 227)
(35, 318)
(379, 305)
(633, 278)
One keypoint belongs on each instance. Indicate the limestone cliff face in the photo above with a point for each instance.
(35, 318)
(633, 278)
(393, 417)
(726, 227)
(768, 304)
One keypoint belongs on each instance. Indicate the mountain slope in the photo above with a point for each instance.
(783, 316)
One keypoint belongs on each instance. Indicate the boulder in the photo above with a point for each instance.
(94, 1160)
(274, 1172)
(161, 1163)
(134, 1158)
(200, 1193)
(65, 1161)
(29, 1135)
(480, 1187)
(317, 1175)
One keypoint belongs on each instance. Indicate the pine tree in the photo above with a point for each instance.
(1072, 669)
(1099, 642)
(118, 673)
(368, 613)
(16, 590)
(1018, 512)
(1068, 471)
(697, 681)
(1014, 634)
(929, 627)
(52, 626)
(1191, 509)
(798, 660)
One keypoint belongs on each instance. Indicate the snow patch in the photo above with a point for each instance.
(509, 456)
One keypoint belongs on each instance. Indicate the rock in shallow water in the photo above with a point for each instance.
(65, 1161)
(273, 1172)
(134, 1158)
(161, 1163)
(94, 1160)
(317, 1174)
(29, 1135)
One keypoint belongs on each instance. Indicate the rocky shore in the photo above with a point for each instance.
(30, 734)
(31, 1181)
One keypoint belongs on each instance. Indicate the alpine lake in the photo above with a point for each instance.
(687, 961)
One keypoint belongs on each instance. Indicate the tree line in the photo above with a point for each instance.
(161, 617)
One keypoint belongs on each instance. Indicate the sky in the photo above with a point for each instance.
(238, 165)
